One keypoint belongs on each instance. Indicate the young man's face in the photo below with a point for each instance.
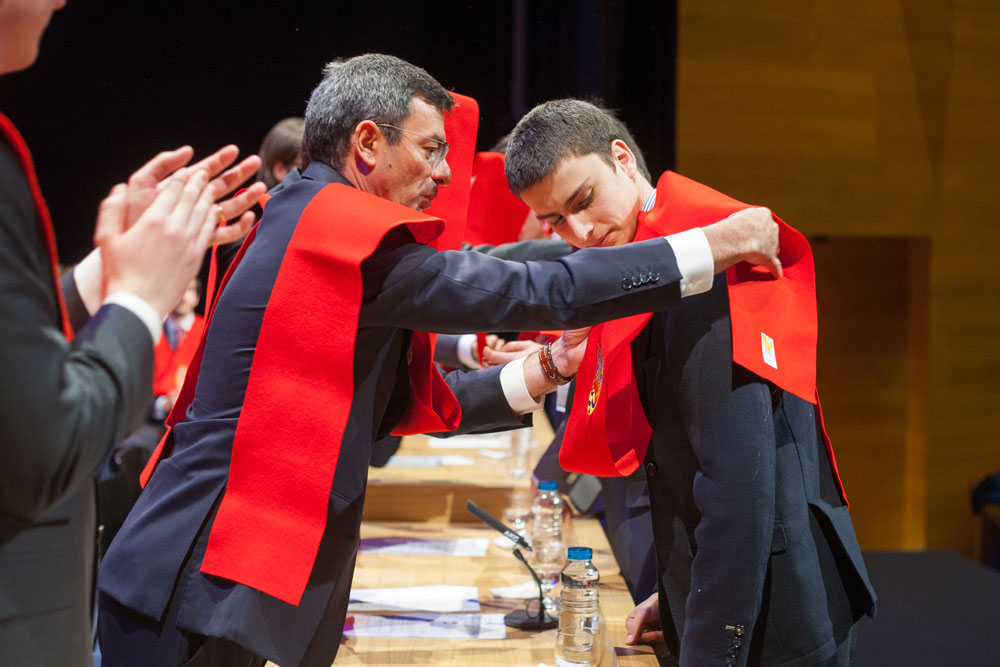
(405, 172)
(588, 202)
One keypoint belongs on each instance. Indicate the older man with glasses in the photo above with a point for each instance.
(242, 546)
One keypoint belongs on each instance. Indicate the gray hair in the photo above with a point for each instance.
(558, 129)
(372, 86)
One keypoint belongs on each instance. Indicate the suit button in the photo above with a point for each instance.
(650, 469)
(653, 276)
(636, 282)
(644, 278)
(626, 283)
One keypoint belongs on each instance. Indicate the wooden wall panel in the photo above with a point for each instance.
(874, 118)
(864, 376)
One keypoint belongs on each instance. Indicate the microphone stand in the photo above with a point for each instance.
(520, 618)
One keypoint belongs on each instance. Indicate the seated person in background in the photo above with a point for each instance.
(281, 151)
(757, 558)
(181, 334)
(77, 356)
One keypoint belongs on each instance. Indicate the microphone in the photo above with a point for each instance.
(496, 524)
(519, 618)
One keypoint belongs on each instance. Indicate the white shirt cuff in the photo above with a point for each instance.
(141, 308)
(515, 389)
(694, 260)
(88, 279)
(465, 349)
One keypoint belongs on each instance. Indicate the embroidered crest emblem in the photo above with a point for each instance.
(595, 389)
(767, 349)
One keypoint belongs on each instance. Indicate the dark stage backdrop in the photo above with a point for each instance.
(118, 81)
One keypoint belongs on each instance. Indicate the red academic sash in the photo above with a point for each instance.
(774, 335)
(299, 394)
(170, 366)
(16, 142)
(461, 126)
(496, 215)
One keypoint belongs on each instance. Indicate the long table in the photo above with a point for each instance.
(439, 493)
(497, 568)
(429, 502)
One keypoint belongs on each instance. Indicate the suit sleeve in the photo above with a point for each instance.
(75, 306)
(484, 406)
(526, 251)
(414, 287)
(63, 406)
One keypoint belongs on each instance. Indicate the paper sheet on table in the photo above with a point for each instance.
(471, 442)
(494, 454)
(474, 547)
(415, 598)
(504, 542)
(431, 626)
(527, 590)
(407, 461)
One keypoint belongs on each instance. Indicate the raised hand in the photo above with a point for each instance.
(156, 255)
(149, 179)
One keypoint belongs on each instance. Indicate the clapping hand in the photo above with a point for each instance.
(153, 176)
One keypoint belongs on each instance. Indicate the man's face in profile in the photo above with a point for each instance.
(587, 202)
(406, 172)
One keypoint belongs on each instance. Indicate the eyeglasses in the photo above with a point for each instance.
(434, 155)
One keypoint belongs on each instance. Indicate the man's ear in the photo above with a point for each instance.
(279, 170)
(623, 156)
(366, 143)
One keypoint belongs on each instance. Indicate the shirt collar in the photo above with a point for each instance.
(648, 206)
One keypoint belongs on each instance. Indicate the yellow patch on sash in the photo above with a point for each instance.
(595, 389)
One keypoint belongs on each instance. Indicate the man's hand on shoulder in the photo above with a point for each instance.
(750, 235)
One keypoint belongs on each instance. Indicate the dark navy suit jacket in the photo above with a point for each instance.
(153, 565)
(757, 557)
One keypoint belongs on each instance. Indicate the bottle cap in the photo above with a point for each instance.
(548, 486)
(580, 553)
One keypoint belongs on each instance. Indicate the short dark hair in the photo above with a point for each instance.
(283, 143)
(372, 86)
(558, 129)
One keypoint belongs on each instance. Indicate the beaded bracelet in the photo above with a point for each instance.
(549, 366)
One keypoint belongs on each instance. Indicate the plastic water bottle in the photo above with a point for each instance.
(580, 639)
(546, 537)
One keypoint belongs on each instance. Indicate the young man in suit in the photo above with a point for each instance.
(757, 559)
(78, 370)
(242, 546)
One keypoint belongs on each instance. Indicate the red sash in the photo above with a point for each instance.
(461, 125)
(299, 394)
(495, 214)
(170, 366)
(773, 331)
(16, 142)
